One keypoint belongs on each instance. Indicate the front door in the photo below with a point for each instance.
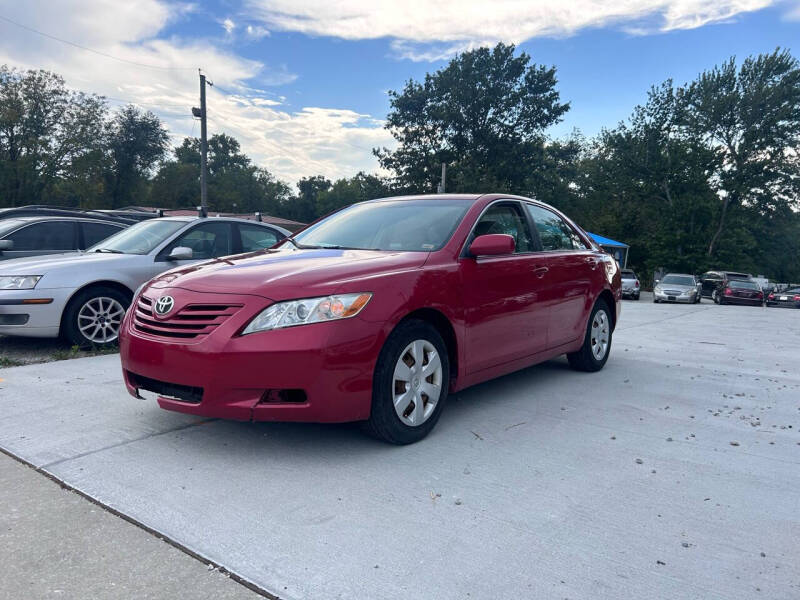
(506, 315)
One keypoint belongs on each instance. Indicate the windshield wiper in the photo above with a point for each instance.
(109, 250)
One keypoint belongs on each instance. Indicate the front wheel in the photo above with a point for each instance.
(596, 347)
(93, 317)
(410, 384)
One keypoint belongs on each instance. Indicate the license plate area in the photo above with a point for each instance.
(671, 298)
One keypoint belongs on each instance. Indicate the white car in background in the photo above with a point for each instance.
(83, 296)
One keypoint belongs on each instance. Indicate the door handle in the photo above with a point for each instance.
(540, 272)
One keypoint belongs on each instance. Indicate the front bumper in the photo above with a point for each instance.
(315, 373)
(18, 316)
(630, 292)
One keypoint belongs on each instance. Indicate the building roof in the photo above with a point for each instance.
(604, 241)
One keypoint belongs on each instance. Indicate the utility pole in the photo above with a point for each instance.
(442, 183)
(201, 112)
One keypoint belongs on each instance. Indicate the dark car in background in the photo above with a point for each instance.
(738, 291)
(788, 298)
(714, 281)
(630, 284)
(21, 237)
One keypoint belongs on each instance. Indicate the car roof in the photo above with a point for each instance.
(66, 218)
(679, 274)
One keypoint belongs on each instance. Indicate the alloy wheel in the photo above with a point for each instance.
(99, 319)
(417, 382)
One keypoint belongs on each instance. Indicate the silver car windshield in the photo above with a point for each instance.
(678, 280)
(404, 225)
(141, 238)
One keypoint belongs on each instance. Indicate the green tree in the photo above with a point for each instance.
(46, 132)
(137, 143)
(348, 191)
(303, 207)
(484, 115)
(750, 117)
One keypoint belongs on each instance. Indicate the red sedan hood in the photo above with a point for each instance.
(286, 274)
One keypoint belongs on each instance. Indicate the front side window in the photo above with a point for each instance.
(506, 219)
(50, 235)
(554, 232)
(97, 232)
(257, 238)
(209, 240)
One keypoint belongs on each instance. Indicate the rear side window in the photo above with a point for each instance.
(506, 219)
(257, 238)
(554, 232)
(97, 232)
(49, 235)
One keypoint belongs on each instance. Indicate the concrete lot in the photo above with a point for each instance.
(673, 473)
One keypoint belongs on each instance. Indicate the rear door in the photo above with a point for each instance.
(505, 311)
(45, 237)
(573, 267)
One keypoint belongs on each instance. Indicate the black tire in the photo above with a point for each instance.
(655, 300)
(715, 297)
(69, 321)
(584, 359)
(384, 422)
(636, 297)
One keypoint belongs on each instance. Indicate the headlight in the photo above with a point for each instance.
(611, 268)
(309, 310)
(19, 282)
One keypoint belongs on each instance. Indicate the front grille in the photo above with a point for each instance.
(191, 322)
(673, 292)
(185, 393)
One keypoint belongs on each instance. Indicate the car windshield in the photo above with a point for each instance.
(678, 280)
(140, 238)
(744, 285)
(405, 225)
(8, 225)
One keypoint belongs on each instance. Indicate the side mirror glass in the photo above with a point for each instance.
(180, 253)
(6, 245)
(492, 244)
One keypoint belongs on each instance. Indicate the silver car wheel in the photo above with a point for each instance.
(417, 382)
(99, 319)
(600, 334)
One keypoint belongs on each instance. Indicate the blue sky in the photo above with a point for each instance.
(302, 83)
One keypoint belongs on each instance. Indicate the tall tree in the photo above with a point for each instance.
(137, 143)
(46, 132)
(750, 117)
(484, 115)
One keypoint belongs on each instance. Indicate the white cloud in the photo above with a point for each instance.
(309, 141)
(424, 30)
(256, 32)
(228, 25)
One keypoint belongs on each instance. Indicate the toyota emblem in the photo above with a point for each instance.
(164, 305)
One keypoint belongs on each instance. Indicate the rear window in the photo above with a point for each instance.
(744, 285)
(628, 274)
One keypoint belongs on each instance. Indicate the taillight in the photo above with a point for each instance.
(760, 294)
(797, 297)
(728, 292)
(772, 296)
(636, 283)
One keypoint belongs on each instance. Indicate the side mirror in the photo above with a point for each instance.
(657, 281)
(180, 253)
(6, 245)
(492, 244)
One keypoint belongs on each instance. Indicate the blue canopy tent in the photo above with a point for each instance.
(616, 249)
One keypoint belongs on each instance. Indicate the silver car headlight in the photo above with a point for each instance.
(308, 310)
(19, 282)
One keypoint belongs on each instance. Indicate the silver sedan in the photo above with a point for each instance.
(83, 296)
(677, 287)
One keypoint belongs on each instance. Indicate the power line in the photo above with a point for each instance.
(98, 52)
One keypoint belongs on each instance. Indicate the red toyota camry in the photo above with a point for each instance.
(375, 313)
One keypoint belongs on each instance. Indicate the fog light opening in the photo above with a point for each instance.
(291, 396)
